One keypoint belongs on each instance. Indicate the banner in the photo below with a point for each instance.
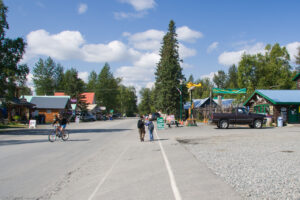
(229, 91)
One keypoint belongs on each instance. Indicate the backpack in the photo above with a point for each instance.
(140, 124)
(151, 126)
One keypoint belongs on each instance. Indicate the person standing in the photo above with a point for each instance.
(150, 128)
(141, 127)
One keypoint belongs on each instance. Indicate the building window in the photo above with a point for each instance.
(49, 111)
(262, 109)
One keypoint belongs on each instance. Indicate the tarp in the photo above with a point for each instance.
(229, 91)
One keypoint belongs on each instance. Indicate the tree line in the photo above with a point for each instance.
(49, 77)
(269, 70)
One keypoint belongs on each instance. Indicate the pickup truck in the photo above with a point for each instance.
(239, 115)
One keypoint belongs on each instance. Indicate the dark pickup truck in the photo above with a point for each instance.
(238, 116)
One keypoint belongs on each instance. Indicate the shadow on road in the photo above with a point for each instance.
(46, 131)
(15, 142)
(246, 128)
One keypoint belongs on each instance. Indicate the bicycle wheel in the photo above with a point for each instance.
(65, 135)
(52, 136)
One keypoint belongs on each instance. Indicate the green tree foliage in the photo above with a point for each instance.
(204, 91)
(92, 82)
(191, 78)
(107, 89)
(47, 77)
(146, 104)
(168, 73)
(232, 77)
(74, 87)
(127, 100)
(24, 90)
(220, 79)
(12, 75)
(59, 78)
(269, 71)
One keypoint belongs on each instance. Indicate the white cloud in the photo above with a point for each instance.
(234, 57)
(188, 35)
(186, 66)
(82, 8)
(140, 5)
(30, 82)
(150, 85)
(71, 45)
(62, 46)
(136, 76)
(212, 47)
(124, 15)
(210, 76)
(141, 74)
(113, 51)
(147, 60)
(148, 40)
(84, 76)
(293, 50)
(185, 52)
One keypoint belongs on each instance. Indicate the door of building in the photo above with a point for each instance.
(293, 116)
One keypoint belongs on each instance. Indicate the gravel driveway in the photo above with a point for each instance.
(257, 163)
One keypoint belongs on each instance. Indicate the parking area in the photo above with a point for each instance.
(257, 163)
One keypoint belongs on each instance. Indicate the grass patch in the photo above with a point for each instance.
(12, 125)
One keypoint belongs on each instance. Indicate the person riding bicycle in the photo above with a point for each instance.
(62, 122)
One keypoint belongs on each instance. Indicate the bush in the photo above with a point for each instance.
(16, 118)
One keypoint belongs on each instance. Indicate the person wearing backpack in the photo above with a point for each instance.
(150, 128)
(141, 127)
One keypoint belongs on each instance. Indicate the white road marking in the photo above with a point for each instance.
(107, 174)
(169, 169)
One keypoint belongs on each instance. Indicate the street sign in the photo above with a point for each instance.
(160, 123)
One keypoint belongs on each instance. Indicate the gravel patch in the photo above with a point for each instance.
(257, 164)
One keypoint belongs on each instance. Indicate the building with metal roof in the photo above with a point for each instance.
(284, 103)
(49, 106)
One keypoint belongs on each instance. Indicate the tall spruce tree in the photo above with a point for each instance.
(107, 89)
(92, 82)
(168, 74)
(47, 77)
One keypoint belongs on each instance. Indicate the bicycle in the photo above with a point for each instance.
(52, 135)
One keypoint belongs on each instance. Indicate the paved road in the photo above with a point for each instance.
(103, 160)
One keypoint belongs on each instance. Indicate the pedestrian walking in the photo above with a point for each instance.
(141, 127)
(150, 128)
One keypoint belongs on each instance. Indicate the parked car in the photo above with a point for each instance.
(239, 115)
(116, 115)
(86, 117)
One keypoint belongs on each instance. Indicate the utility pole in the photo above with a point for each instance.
(181, 81)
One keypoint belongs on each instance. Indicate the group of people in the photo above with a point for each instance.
(142, 130)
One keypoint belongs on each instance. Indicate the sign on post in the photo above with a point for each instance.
(160, 123)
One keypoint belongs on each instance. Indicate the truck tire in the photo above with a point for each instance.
(257, 123)
(224, 124)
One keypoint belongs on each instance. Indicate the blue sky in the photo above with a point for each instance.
(127, 33)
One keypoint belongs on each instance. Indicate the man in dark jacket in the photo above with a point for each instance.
(141, 127)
